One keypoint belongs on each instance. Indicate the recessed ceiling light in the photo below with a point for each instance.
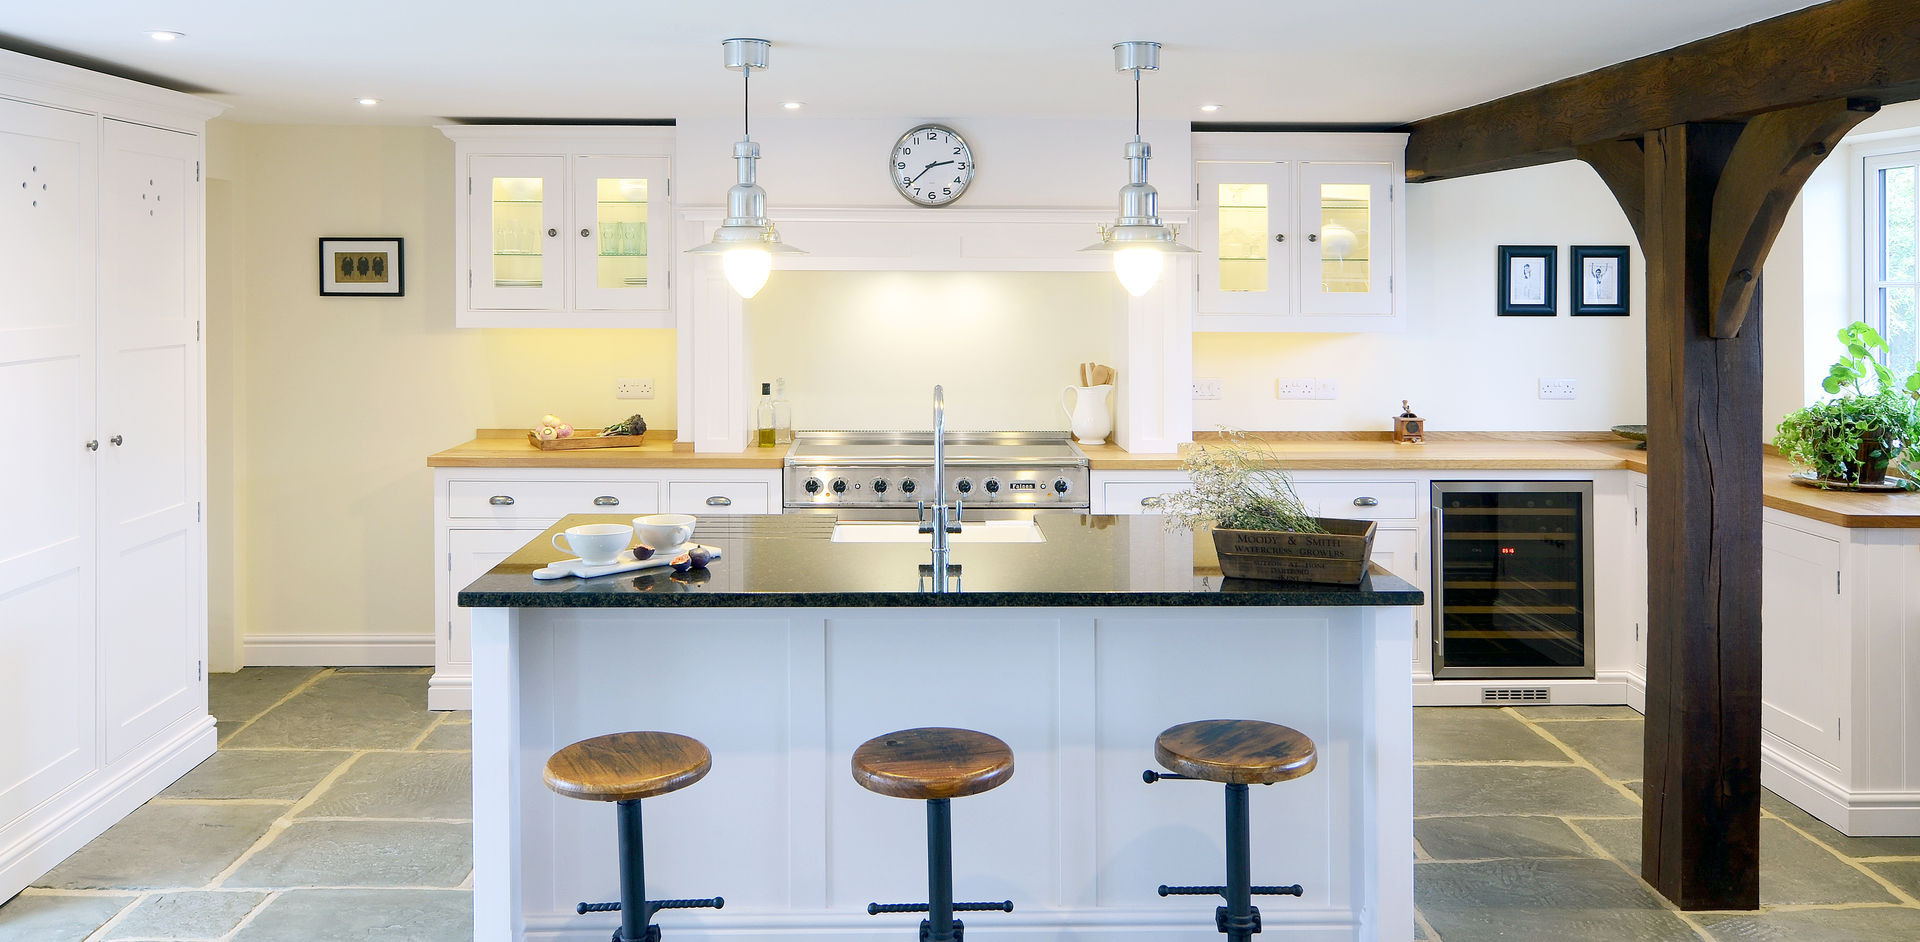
(792, 105)
(165, 35)
(1209, 107)
(369, 102)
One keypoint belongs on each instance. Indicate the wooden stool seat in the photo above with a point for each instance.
(628, 766)
(1236, 752)
(932, 763)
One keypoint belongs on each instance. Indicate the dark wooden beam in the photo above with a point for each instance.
(1622, 165)
(1867, 49)
(1776, 154)
(1700, 828)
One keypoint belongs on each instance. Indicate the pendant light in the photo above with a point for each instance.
(1138, 241)
(746, 242)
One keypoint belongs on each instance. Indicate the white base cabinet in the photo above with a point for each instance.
(483, 515)
(102, 551)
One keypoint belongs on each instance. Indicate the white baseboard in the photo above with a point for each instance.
(447, 690)
(1608, 689)
(1856, 814)
(338, 651)
(35, 842)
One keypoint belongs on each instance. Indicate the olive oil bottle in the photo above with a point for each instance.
(763, 416)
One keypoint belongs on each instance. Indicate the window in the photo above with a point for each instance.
(1892, 276)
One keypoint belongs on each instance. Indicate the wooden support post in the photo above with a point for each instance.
(1701, 825)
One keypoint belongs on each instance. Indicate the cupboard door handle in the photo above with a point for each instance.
(1149, 501)
(606, 502)
(117, 440)
(584, 233)
(1313, 237)
(1279, 237)
(93, 444)
(500, 500)
(1366, 502)
(552, 232)
(719, 502)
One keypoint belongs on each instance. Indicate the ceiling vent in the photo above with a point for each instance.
(1514, 695)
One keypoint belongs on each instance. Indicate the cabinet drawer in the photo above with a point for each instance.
(1131, 497)
(717, 497)
(550, 499)
(1361, 500)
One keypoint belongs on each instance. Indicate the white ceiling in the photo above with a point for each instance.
(1368, 61)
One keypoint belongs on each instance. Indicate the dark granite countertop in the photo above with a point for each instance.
(791, 561)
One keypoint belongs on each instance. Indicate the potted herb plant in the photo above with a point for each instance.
(1871, 422)
(1261, 528)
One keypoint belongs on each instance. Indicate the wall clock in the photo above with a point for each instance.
(931, 165)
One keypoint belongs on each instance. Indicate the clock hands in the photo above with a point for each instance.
(917, 176)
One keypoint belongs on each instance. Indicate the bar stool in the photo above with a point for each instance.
(935, 765)
(1236, 753)
(624, 768)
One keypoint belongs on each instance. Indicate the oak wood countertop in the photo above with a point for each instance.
(509, 448)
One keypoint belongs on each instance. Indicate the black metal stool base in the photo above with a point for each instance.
(636, 911)
(1239, 920)
(940, 926)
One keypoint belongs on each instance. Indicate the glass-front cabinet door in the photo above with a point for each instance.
(1243, 237)
(515, 216)
(621, 259)
(1346, 264)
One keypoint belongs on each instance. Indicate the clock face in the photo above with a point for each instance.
(931, 165)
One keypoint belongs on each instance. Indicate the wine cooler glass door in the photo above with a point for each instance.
(1514, 596)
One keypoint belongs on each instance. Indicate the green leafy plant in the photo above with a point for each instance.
(1237, 485)
(1872, 422)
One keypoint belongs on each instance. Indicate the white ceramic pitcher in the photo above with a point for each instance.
(1087, 413)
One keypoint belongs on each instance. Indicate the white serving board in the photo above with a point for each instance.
(578, 568)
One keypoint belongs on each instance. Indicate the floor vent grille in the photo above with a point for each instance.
(1514, 695)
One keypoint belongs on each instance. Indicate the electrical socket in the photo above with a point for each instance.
(1209, 389)
(1294, 388)
(1326, 389)
(633, 389)
(1556, 388)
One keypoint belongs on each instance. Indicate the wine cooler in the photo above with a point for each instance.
(1513, 586)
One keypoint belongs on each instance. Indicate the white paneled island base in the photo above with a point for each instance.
(783, 696)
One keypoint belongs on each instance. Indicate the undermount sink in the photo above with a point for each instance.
(984, 531)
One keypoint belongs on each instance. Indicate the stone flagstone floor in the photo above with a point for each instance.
(338, 809)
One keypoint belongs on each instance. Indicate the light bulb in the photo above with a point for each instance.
(1138, 268)
(747, 269)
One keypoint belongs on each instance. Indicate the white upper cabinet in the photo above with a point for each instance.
(555, 226)
(1299, 232)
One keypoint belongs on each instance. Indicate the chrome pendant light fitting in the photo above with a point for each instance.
(1138, 240)
(746, 240)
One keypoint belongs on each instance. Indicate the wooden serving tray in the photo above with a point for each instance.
(578, 441)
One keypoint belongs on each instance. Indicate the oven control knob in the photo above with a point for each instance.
(993, 486)
(908, 486)
(965, 486)
(879, 485)
(1059, 485)
(839, 486)
(813, 485)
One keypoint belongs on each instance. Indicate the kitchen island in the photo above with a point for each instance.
(1076, 650)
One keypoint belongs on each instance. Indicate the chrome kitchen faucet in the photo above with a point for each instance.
(938, 523)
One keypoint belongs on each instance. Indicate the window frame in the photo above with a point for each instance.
(1870, 308)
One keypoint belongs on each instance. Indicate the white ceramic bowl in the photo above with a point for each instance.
(664, 531)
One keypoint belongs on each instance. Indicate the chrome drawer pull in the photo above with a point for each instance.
(500, 500)
(1149, 501)
(719, 502)
(606, 502)
(1366, 502)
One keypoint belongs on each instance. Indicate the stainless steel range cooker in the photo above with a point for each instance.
(893, 471)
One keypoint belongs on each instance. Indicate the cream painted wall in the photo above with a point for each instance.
(863, 350)
(323, 410)
(1462, 367)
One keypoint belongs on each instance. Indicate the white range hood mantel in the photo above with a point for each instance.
(1153, 342)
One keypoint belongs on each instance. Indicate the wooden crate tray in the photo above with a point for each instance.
(578, 441)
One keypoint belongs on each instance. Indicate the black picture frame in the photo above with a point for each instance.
(1621, 289)
(363, 267)
(1529, 296)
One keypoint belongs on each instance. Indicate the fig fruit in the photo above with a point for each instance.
(682, 562)
(699, 556)
(642, 551)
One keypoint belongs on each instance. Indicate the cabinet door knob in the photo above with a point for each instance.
(117, 440)
(606, 502)
(552, 232)
(719, 502)
(584, 233)
(1366, 502)
(1279, 237)
(500, 500)
(1313, 237)
(93, 444)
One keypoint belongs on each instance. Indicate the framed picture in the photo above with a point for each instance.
(1529, 285)
(362, 268)
(1601, 279)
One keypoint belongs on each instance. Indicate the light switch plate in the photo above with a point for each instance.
(1209, 388)
(633, 389)
(1326, 389)
(1556, 388)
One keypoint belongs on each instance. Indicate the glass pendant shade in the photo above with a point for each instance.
(747, 269)
(746, 240)
(1138, 268)
(1139, 241)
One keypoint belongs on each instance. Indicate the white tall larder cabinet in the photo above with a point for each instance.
(102, 552)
